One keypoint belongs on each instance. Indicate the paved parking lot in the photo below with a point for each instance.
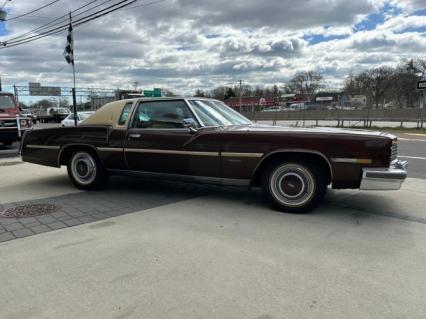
(171, 250)
(141, 249)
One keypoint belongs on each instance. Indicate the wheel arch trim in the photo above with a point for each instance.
(67, 146)
(289, 151)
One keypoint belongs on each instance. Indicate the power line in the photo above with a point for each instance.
(78, 22)
(14, 42)
(35, 10)
(63, 17)
(83, 20)
(146, 4)
(4, 3)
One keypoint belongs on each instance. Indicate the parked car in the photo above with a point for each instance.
(53, 114)
(274, 109)
(296, 106)
(69, 120)
(27, 113)
(203, 140)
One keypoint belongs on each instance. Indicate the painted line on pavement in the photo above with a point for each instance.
(411, 139)
(412, 157)
(416, 134)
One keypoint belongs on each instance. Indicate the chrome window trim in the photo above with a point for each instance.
(136, 106)
(200, 122)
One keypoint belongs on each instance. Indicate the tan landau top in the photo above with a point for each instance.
(108, 114)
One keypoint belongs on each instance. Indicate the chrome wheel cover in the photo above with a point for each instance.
(292, 185)
(83, 168)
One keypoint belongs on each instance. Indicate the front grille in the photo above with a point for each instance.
(394, 151)
(7, 123)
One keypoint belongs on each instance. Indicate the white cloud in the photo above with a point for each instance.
(186, 44)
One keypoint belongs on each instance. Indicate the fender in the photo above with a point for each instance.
(292, 150)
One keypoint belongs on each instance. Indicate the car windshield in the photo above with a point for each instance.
(6, 102)
(216, 113)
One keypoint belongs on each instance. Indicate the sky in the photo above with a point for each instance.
(184, 45)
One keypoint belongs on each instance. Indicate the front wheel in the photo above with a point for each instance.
(294, 187)
(86, 171)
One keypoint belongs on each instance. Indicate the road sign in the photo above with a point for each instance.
(421, 85)
(155, 93)
(36, 89)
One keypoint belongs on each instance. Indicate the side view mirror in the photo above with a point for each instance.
(190, 124)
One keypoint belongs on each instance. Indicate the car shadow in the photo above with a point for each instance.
(356, 204)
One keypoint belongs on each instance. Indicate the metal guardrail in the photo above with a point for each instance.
(367, 116)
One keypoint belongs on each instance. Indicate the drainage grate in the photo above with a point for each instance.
(29, 211)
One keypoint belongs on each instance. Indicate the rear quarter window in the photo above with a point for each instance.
(125, 114)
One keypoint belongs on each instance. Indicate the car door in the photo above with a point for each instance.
(158, 141)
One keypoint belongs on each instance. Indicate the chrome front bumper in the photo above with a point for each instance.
(384, 178)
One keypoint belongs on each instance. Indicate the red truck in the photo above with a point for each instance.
(12, 124)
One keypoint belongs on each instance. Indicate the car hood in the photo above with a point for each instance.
(9, 112)
(308, 130)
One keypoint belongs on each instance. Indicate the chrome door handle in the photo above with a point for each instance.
(134, 136)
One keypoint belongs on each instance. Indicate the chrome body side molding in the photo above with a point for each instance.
(45, 147)
(184, 178)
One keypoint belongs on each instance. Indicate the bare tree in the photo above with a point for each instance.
(374, 83)
(402, 89)
(307, 82)
(199, 93)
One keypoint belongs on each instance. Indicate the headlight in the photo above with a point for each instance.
(25, 123)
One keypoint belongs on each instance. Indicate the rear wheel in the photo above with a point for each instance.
(294, 187)
(86, 171)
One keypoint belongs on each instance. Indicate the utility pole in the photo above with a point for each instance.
(74, 99)
(241, 93)
(0, 84)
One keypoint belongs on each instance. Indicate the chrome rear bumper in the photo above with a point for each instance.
(384, 178)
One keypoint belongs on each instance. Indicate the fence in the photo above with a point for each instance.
(366, 116)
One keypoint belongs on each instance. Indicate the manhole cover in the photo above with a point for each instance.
(29, 210)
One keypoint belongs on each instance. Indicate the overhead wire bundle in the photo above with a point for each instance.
(81, 15)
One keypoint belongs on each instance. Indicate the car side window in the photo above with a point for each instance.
(124, 114)
(162, 114)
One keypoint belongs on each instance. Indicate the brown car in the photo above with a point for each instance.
(203, 140)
